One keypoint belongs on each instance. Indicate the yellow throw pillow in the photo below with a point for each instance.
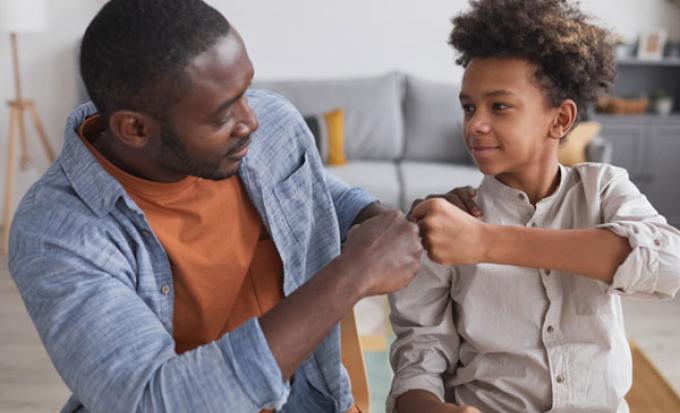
(335, 124)
(329, 135)
(573, 151)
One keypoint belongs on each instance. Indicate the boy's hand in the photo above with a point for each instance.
(460, 197)
(450, 235)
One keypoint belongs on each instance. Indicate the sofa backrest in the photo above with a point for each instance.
(433, 122)
(374, 126)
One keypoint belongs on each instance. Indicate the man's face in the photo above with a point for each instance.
(507, 116)
(207, 133)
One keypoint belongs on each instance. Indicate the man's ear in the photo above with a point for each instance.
(564, 120)
(133, 129)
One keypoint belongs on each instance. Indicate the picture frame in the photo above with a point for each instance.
(651, 44)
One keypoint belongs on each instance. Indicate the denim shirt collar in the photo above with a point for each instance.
(99, 190)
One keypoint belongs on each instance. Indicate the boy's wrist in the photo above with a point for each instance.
(489, 240)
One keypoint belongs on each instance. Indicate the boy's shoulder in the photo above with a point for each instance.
(597, 174)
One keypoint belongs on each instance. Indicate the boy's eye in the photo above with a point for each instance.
(468, 108)
(500, 106)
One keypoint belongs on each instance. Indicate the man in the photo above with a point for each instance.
(183, 253)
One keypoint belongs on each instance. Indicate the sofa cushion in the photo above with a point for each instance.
(378, 178)
(374, 127)
(329, 136)
(433, 120)
(426, 178)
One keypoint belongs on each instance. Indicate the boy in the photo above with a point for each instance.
(521, 311)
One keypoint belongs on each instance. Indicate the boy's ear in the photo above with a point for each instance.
(564, 120)
(133, 129)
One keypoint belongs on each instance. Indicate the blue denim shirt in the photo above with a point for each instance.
(98, 284)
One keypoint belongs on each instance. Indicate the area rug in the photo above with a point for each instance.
(651, 393)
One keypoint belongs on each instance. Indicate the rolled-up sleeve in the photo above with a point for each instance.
(348, 201)
(652, 269)
(426, 346)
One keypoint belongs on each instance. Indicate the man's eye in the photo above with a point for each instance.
(500, 106)
(223, 121)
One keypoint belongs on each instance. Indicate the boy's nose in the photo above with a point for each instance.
(478, 125)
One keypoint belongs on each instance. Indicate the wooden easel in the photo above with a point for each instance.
(16, 124)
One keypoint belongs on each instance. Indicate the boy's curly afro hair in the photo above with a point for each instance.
(574, 58)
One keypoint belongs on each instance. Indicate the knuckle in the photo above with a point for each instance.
(394, 214)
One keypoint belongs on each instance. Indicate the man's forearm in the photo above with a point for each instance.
(417, 401)
(595, 253)
(298, 324)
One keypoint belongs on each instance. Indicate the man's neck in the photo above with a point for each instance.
(131, 161)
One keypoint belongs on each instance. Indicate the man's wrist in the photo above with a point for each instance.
(349, 277)
(369, 211)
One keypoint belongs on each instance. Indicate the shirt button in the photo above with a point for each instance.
(521, 197)
(550, 329)
(547, 272)
(635, 230)
(657, 242)
(560, 379)
(533, 224)
(165, 289)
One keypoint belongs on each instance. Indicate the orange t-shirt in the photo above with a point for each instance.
(225, 268)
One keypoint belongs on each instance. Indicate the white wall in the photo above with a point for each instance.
(286, 38)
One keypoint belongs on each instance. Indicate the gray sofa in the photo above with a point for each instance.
(402, 133)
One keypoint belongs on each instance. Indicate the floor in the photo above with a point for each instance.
(28, 383)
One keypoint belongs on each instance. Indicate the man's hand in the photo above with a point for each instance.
(417, 401)
(449, 235)
(460, 197)
(383, 253)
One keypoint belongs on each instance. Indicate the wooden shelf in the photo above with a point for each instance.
(632, 61)
(673, 116)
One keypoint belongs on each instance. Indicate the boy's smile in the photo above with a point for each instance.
(509, 125)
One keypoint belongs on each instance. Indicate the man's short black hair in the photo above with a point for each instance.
(134, 52)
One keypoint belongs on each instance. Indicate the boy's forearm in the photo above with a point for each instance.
(594, 253)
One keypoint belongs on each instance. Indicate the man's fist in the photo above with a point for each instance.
(384, 252)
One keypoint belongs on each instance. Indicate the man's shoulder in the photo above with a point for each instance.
(282, 136)
(273, 109)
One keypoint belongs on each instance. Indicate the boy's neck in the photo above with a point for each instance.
(538, 180)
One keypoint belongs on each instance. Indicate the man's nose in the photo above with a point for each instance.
(247, 121)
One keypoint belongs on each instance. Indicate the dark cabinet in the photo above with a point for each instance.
(648, 146)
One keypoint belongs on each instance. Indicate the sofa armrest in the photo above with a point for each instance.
(599, 150)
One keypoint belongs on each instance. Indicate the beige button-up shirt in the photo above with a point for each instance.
(514, 339)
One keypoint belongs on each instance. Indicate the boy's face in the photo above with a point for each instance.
(507, 116)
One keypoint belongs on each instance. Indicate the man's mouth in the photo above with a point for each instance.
(241, 150)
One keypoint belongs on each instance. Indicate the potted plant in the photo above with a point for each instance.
(663, 102)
